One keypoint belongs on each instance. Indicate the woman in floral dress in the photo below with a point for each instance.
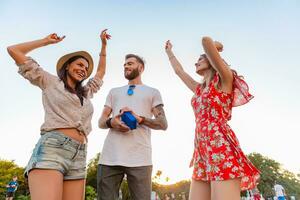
(221, 169)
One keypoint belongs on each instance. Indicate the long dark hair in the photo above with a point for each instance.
(62, 74)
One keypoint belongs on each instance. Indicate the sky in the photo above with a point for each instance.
(261, 41)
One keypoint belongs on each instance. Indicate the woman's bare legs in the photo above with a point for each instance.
(74, 189)
(226, 190)
(45, 184)
(199, 190)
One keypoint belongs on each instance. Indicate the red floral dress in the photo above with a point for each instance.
(217, 154)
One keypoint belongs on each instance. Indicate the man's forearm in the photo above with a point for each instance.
(102, 123)
(159, 123)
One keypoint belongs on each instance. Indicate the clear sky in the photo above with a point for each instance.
(261, 41)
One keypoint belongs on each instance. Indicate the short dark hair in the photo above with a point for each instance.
(138, 58)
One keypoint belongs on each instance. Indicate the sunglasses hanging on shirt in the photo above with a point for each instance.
(130, 90)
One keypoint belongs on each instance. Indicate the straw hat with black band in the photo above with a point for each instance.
(84, 54)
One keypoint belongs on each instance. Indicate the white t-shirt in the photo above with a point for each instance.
(131, 149)
(279, 190)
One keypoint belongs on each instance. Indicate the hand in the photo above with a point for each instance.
(219, 46)
(168, 46)
(118, 125)
(104, 37)
(53, 38)
(126, 109)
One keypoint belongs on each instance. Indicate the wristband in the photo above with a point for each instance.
(108, 122)
(143, 120)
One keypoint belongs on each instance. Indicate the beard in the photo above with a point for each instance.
(134, 73)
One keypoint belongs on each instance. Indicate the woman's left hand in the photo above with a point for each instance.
(104, 36)
(219, 46)
(168, 46)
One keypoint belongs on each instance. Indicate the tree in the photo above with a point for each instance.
(167, 179)
(291, 183)
(91, 180)
(158, 174)
(125, 190)
(92, 167)
(178, 188)
(22, 197)
(272, 172)
(7, 170)
(90, 193)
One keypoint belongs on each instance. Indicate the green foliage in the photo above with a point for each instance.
(125, 190)
(272, 172)
(90, 193)
(177, 188)
(7, 170)
(291, 183)
(22, 197)
(91, 178)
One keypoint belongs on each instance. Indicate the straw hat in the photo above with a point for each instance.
(84, 54)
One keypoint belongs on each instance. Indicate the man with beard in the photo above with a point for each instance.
(125, 151)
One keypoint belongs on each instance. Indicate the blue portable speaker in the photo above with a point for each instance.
(129, 120)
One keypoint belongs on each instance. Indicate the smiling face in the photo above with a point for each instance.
(132, 68)
(77, 70)
(202, 65)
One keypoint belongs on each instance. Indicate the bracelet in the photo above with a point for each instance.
(171, 57)
(102, 54)
(143, 120)
(108, 122)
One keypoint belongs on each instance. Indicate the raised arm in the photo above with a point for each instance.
(187, 79)
(102, 61)
(29, 68)
(212, 50)
(18, 52)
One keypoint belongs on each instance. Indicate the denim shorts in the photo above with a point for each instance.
(57, 151)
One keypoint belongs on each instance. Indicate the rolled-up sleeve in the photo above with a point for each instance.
(93, 86)
(156, 100)
(32, 71)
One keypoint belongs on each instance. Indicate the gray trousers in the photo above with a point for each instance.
(109, 179)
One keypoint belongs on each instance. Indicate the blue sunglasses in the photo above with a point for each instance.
(130, 90)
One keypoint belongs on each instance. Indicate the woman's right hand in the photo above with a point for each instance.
(119, 125)
(53, 38)
(168, 46)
